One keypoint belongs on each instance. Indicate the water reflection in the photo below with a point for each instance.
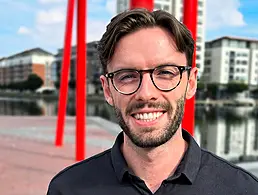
(230, 132)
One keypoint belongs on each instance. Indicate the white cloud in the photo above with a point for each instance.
(223, 13)
(51, 16)
(111, 6)
(51, 1)
(23, 30)
(95, 29)
(49, 28)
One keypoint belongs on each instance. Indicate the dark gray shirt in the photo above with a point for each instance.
(199, 173)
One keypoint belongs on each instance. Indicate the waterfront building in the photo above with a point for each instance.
(231, 59)
(93, 63)
(16, 68)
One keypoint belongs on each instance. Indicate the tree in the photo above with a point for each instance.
(33, 82)
(72, 84)
(57, 84)
(213, 90)
(233, 88)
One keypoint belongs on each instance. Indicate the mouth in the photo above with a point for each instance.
(146, 117)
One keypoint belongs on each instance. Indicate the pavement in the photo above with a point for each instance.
(29, 158)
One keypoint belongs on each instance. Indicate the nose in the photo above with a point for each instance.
(147, 90)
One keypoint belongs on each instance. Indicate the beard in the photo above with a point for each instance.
(167, 132)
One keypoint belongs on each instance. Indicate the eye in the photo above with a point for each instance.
(165, 72)
(126, 76)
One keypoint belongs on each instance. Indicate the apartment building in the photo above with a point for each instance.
(93, 63)
(231, 59)
(17, 67)
(175, 7)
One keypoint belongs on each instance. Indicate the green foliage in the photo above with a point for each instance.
(212, 89)
(200, 86)
(233, 88)
(57, 84)
(72, 84)
(255, 90)
(33, 82)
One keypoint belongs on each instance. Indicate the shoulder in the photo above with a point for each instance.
(228, 173)
(83, 169)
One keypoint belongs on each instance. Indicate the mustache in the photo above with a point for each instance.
(139, 105)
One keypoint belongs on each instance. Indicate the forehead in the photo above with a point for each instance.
(146, 48)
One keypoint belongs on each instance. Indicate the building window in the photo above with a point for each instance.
(207, 62)
(157, 6)
(244, 62)
(238, 62)
(243, 70)
(237, 70)
(198, 57)
(199, 39)
(198, 48)
(166, 8)
(207, 53)
(200, 13)
(198, 65)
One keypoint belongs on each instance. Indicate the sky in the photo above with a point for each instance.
(27, 24)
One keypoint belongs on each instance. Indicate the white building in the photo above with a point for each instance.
(16, 68)
(231, 59)
(175, 7)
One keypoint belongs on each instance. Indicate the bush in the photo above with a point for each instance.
(233, 88)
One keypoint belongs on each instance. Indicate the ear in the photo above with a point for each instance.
(192, 83)
(106, 90)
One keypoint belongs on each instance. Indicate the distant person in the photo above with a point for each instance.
(147, 61)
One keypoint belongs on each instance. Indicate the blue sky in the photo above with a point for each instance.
(40, 23)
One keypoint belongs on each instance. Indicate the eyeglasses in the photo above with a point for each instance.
(164, 77)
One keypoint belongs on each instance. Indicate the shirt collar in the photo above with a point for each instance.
(189, 165)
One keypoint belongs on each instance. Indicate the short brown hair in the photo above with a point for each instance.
(133, 20)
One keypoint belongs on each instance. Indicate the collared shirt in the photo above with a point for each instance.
(199, 173)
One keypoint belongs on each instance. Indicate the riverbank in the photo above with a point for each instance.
(47, 97)
(100, 98)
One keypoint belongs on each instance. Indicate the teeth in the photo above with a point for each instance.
(148, 116)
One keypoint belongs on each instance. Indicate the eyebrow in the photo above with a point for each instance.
(134, 68)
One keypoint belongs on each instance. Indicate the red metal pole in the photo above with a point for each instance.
(148, 4)
(64, 74)
(81, 81)
(190, 20)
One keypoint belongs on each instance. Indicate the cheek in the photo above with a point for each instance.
(121, 102)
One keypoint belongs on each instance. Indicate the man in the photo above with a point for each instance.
(147, 58)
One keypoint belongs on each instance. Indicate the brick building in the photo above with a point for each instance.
(16, 68)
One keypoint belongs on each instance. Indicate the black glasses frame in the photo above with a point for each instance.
(180, 68)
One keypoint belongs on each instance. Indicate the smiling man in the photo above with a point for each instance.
(146, 58)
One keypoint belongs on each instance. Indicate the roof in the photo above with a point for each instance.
(30, 52)
(234, 38)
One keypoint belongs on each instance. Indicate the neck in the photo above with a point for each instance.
(156, 164)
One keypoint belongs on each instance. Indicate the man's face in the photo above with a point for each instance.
(149, 117)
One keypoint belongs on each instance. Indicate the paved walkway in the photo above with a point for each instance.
(29, 158)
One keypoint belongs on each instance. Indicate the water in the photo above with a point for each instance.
(230, 132)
